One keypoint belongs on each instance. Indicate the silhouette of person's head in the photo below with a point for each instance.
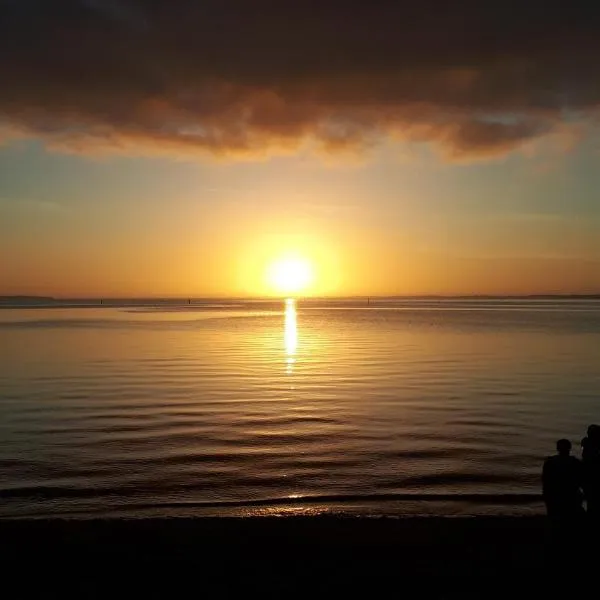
(563, 447)
(593, 432)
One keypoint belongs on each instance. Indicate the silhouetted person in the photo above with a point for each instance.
(590, 445)
(562, 479)
(591, 471)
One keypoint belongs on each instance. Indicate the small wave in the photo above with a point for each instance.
(446, 452)
(73, 324)
(458, 478)
(503, 499)
(55, 492)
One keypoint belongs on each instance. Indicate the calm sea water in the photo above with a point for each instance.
(397, 407)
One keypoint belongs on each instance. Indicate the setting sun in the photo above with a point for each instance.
(290, 275)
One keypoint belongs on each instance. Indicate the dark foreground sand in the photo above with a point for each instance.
(286, 556)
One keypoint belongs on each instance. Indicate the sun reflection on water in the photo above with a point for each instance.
(290, 334)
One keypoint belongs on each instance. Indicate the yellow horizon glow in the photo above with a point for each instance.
(290, 275)
(234, 258)
(288, 265)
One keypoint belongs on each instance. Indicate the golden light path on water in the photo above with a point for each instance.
(290, 334)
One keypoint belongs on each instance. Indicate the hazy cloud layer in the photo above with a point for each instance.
(476, 79)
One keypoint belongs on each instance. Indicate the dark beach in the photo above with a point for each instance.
(277, 556)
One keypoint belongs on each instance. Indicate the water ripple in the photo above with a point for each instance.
(213, 407)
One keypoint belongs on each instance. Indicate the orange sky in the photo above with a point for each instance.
(153, 227)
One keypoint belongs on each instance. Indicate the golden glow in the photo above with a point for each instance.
(290, 333)
(291, 275)
(287, 265)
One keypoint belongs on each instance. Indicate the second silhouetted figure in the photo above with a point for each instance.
(562, 479)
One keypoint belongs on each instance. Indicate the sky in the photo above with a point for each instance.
(399, 148)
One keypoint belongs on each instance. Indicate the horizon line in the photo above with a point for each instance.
(298, 297)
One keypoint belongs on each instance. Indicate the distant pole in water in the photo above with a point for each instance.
(101, 301)
(189, 301)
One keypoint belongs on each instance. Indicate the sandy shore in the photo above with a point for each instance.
(276, 557)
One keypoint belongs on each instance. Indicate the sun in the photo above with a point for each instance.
(290, 275)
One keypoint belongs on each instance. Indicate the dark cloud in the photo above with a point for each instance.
(475, 78)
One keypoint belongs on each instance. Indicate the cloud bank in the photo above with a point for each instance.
(252, 77)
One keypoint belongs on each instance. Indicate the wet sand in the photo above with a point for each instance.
(280, 556)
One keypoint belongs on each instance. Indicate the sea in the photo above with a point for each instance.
(364, 406)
